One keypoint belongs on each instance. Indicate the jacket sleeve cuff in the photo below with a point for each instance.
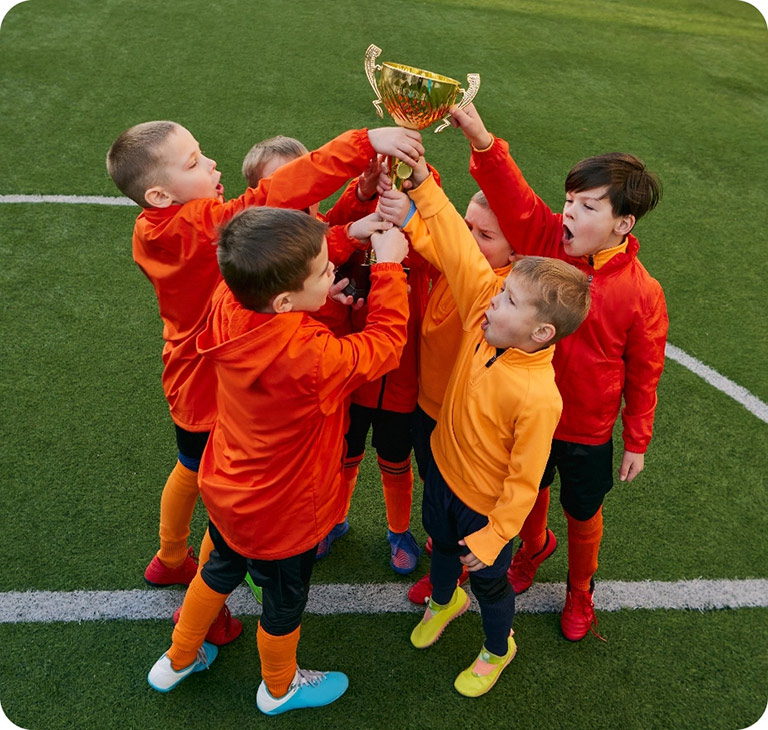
(486, 544)
(386, 266)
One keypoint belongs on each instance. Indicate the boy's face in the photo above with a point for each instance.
(511, 319)
(189, 174)
(316, 286)
(589, 224)
(485, 229)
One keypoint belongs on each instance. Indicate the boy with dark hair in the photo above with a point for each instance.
(160, 166)
(496, 422)
(618, 353)
(270, 476)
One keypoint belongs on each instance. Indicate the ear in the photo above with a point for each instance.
(157, 197)
(543, 333)
(282, 303)
(624, 225)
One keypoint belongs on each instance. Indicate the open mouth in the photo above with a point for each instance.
(567, 234)
(485, 324)
(220, 189)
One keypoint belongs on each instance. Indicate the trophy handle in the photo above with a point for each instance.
(473, 82)
(370, 67)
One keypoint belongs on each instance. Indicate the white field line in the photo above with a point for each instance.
(334, 599)
(69, 199)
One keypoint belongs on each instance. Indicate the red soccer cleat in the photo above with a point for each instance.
(578, 616)
(224, 629)
(421, 590)
(524, 566)
(158, 574)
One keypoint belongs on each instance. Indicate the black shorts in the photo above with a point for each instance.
(285, 582)
(586, 476)
(391, 438)
(423, 425)
(190, 445)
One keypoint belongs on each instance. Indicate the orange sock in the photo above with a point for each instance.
(205, 549)
(533, 533)
(349, 477)
(397, 482)
(278, 659)
(200, 608)
(583, 545)
(176, 507)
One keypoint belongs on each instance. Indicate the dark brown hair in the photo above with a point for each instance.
(134, 160)
(263, 252)
(632, 189)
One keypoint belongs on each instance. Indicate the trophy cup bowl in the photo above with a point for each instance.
(415, 98)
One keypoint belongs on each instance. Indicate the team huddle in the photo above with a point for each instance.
(495, 347)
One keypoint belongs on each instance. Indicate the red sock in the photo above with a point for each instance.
(397, 482)
(584, 538)
(278, 659)
(533, 533)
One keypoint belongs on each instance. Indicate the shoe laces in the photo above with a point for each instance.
(523, 564)
(191, 554)
(202, 657)
(308, 677)
(581, 601)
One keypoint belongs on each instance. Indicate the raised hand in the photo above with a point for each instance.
(405, 144)
(390, 246)
(373, 223)
(394, 206)
(368, 182)
(470, 122)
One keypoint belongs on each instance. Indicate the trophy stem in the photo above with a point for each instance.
(399, 171)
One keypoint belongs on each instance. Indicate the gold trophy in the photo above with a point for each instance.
(414, 98)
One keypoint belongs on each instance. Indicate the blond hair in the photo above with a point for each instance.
(262, 152)
(560, 292)
(135, 161)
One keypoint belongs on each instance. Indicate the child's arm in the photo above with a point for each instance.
(438, 232)
(534, 428)
(358, 198)
(344, 240)
(523, 216)
(350, 361)
(643, 362)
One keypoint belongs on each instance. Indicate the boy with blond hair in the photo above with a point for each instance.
(500, 410)
(617, 354)
(439, 341)
(160, 166)
(270, 476)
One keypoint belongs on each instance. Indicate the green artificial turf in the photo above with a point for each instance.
(87, 441)
(657, 669)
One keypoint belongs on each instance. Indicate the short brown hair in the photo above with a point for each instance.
(632, 189)
(263, 252)
(134, 160)
(560, 292)
(262, 152)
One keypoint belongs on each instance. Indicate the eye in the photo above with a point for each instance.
(588, 207)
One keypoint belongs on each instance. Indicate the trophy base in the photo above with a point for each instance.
(359, 274)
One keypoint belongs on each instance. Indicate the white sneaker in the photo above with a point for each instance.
(308, 689)
(163, 677)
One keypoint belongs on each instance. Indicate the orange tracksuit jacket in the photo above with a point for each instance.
(174, 248)
(618, 351)
(270, 476)
(495, 427)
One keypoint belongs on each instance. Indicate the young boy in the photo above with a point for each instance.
(617, 353)
(439, 343)
(351, 219)
(270, 474)
(159, 165)
(500, 410)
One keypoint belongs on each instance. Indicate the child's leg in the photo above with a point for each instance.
(285, 585)
(497, 602)
(586, 476)
(222, 573)
(423, 425)
(393, 440)
(359, 425)
(179, 497)
(533, 533)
